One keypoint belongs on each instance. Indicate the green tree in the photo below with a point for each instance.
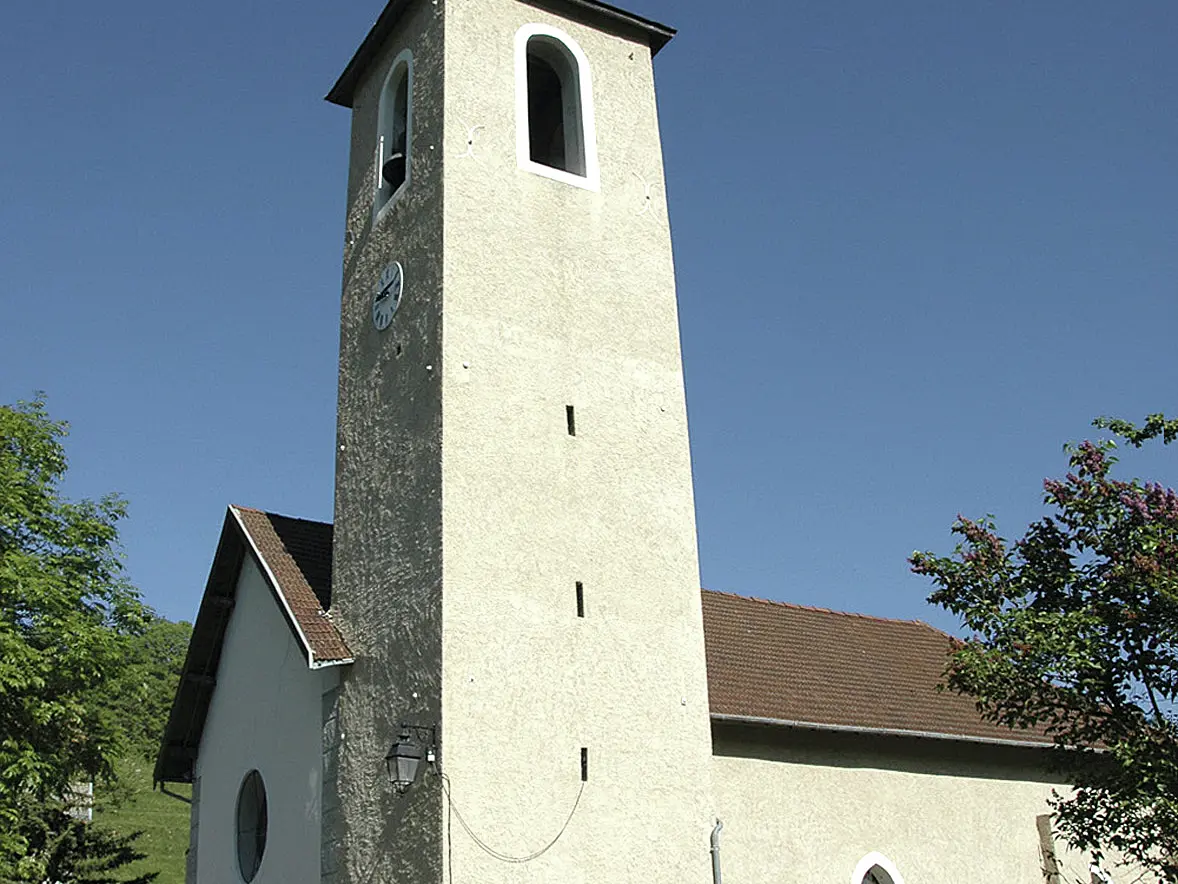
(141, 693)
(1074, 630)
(66, 617)
(70, 850)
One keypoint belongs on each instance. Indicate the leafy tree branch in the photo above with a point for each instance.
(1074, 632)
(67, 617)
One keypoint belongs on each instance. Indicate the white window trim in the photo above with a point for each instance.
(591, 180)
(876, 859)
(404, 57)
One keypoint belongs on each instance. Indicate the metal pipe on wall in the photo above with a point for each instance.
(716, 852)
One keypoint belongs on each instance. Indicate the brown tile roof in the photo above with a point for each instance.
(788, 663)
(297, 553)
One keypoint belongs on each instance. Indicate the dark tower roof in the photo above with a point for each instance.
(592, 12)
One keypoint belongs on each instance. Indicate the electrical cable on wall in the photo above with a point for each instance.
(449, 839)
(490, 851)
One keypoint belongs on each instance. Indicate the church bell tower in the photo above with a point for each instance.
(515, 559)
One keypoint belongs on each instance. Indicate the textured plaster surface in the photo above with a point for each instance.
(388, 525)
(264, 716)
(807, 807)
(331, 837)
(465, 513)
(556, 295)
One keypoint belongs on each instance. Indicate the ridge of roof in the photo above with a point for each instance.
(271, 514)
(819, 610)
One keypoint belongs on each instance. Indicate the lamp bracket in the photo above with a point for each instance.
(427, 734)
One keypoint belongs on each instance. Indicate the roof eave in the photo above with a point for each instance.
(345, 87)
(657, 34)
(876, 731)
(342, 93)
(177, 748)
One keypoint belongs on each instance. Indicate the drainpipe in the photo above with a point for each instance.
(716, 852)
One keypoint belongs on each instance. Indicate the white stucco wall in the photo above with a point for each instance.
(811, 808)
(559, 295)
(265, 715)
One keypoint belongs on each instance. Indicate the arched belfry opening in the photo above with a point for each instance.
(556, 137)
(556, 126)
(877, 875)
(394, 126)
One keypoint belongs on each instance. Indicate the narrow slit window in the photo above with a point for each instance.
(570, 419)
(394, 131)
(584, 764)
(580, 599)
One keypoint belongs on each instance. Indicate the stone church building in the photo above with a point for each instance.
(499, 666)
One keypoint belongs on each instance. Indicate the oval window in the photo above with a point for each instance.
(251, 825)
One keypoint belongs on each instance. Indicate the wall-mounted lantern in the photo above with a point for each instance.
(404, 756)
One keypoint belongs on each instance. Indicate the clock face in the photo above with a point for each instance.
(387, 297)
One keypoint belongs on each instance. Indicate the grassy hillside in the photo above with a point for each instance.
(162, 817)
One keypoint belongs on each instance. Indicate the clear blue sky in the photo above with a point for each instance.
(919, 245)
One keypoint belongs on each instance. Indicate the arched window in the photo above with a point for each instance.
(555, 135)
(394, 130)
(875, 868)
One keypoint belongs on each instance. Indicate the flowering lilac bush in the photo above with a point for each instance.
(1074, 632)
